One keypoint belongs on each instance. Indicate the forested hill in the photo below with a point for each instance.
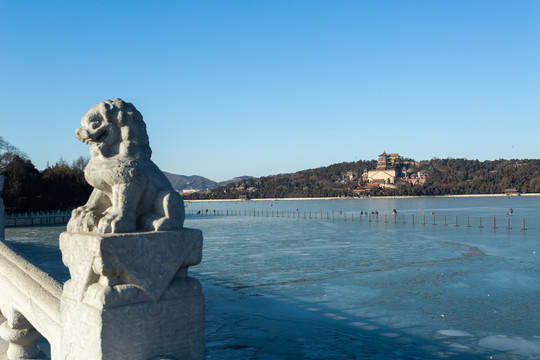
(324, 181)
(444, 177)
(461, 176)
(321, 182)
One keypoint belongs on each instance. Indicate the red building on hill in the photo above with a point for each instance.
(387, 161)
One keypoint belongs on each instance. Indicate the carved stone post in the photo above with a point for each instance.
(129, 296)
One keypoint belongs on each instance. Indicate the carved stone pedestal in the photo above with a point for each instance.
(129, 296)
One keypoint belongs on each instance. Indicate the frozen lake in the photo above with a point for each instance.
(301, 288)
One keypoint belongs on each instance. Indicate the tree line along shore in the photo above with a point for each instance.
(62, 186)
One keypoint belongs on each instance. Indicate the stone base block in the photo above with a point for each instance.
(129, 296)
(171, 328)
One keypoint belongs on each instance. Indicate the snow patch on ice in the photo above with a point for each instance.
(459, 347)
(514, 345)
(453, 333)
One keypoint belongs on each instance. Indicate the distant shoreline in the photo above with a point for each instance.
(368, 197)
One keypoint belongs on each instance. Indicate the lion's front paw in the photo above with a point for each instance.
(73, 225)
(111, 223)
(105, 224)
(82, 219)
(76, 213)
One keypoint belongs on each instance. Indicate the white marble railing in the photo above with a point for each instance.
(38, 214)
(30, 302)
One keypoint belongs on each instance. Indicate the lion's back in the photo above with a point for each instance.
(155, 176)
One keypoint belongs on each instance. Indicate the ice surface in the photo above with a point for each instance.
(293, 288)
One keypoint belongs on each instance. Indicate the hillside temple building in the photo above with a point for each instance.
(386, 173)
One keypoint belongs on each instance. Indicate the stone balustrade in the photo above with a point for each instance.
(30, 302)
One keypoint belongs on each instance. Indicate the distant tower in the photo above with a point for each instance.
(384, 162)
(388, 161)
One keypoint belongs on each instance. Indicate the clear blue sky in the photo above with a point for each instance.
(231, 88)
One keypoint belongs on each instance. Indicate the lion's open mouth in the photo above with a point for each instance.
(101, 136)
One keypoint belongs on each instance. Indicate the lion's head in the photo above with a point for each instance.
(114, 127)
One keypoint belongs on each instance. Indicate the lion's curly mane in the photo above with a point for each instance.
(131, 124)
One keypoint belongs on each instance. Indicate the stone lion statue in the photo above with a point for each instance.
(130, 192)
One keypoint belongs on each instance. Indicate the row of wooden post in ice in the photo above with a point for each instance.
(333, 215)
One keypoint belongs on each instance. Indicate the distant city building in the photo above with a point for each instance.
(381, 176)
(388, 161)
(188, 191)
(389, 169)
(369, 186)
(388, 186)
(386, 171)
(418, 178)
